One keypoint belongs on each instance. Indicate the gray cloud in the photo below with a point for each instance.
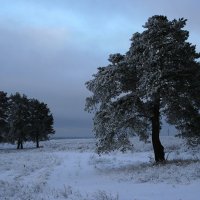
(49, 49)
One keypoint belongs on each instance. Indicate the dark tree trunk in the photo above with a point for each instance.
(19, 144)
(157, 146)
(37, 141)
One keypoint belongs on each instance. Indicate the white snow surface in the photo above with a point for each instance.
(70, 169)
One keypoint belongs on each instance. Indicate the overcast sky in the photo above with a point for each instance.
(50, 48)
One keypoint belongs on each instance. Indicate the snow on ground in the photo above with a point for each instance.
(70, 169)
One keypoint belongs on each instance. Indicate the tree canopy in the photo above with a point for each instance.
(158, 76)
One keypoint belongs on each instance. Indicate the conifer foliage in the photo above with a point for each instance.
(3, 114)
(24, 119)
(158, 76)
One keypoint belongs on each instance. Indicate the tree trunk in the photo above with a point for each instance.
(21, 144)
(18, 144)
(157, 146)
(37, 141)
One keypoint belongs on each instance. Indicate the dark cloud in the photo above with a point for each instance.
(49, 49)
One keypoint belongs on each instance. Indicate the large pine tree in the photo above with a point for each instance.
(158, 76)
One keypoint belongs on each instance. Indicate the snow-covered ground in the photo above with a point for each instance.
(70, 169)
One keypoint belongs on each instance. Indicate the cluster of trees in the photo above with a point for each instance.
(158, 76)
(23, 119)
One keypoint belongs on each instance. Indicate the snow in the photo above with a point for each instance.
(70, 169)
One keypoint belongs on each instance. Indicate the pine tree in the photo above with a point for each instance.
(3, 115)
(18, 119)
(41, 122)
(158, 76)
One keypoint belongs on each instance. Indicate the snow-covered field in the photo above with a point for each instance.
(70, 169)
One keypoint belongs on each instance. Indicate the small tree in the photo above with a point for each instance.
(18, 119)
(41, 122)
(158, 76)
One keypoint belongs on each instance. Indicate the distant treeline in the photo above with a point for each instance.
(23, 119)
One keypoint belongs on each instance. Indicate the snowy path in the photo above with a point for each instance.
(68, 170)
(81, 173)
